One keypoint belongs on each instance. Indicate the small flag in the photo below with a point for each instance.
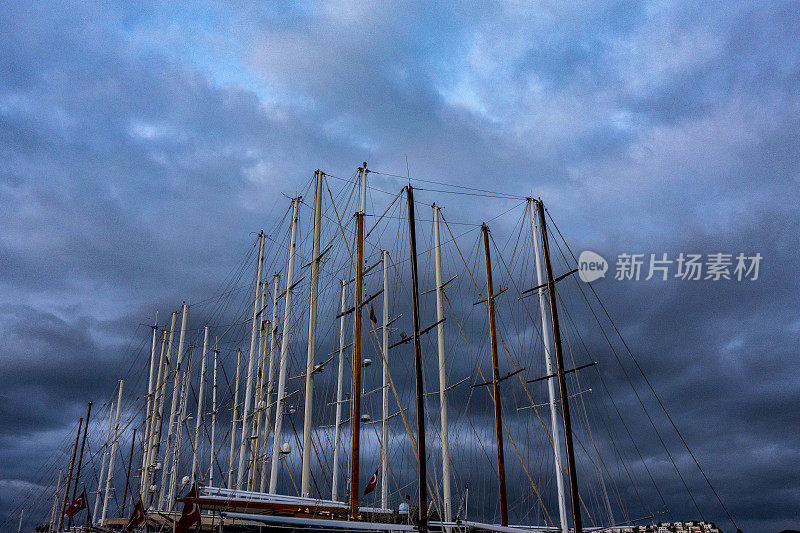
(78, 505)
(191, 512)
(137, 518)
(372, 483)
(372, 314)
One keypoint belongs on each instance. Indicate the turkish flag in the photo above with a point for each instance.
(191, 512)
(372, 314)
(372, 483)
(78, 505)
(137, 518)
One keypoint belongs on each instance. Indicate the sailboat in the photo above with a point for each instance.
(245, 474)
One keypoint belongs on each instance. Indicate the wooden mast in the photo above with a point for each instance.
(69, 476)
(422, 475)
(80, 457)
(355, 411)
(562, 382)
(498, 420)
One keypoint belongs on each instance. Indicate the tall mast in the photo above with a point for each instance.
(250, 356)
(199, 416)
(234, 416)
(337, 430)
(273, 327)
(305, 479)
(420, 390)
(562, 382)
(258, 408)
(55, 501)
(355, 411)
(128, 473)
(110, 473)
(498, 415)
(562, 506)
(80, 456)
(176, 387)
(287, 312)
(148, 413)
(154, 433)
(385, 385)
(437, 248)
(69, 476)
(213, 418)
(99, 493)
(182, 416)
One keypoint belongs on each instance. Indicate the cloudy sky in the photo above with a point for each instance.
(143, 144)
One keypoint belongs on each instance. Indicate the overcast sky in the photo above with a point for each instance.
(143, 143)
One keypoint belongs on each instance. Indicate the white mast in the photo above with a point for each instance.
(182, 416)
(199, 404)
(258, 408)
(233, 417)
(337, 427)
(110, 474)
(276, 434)
(305, 478)
(173, 408)
(213, 417)
(148, 415)
(273, 327)
(155, 426)
(55, 501)
(562, 506)
(103, 463)
(385, 386)
(251, 354)
(447, 503)
(162, 398)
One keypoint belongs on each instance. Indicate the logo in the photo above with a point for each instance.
(591, 266)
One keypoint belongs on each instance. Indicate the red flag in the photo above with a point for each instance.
(78, 505)
(137, 518)
(191, 512)
(372, 314)
(372, 483)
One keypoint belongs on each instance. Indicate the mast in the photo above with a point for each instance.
(200, 405)
(128, 474)
(233, 417)
(248, 395)
(437, 248)
(173, 407)
(154, 434)
(181, 423)
(69, 476)
(103, 463)
(385, 385)
(273, 329)
(420, 390)
(258, 408)
(80, 457)
(498, 420)
(562, 382)
(276, 434)
(52, 522)
(148, 414)
(355, 410)
(213, 417)
(305, 479)
(337, 431)
(110, 473)
(562, 506)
